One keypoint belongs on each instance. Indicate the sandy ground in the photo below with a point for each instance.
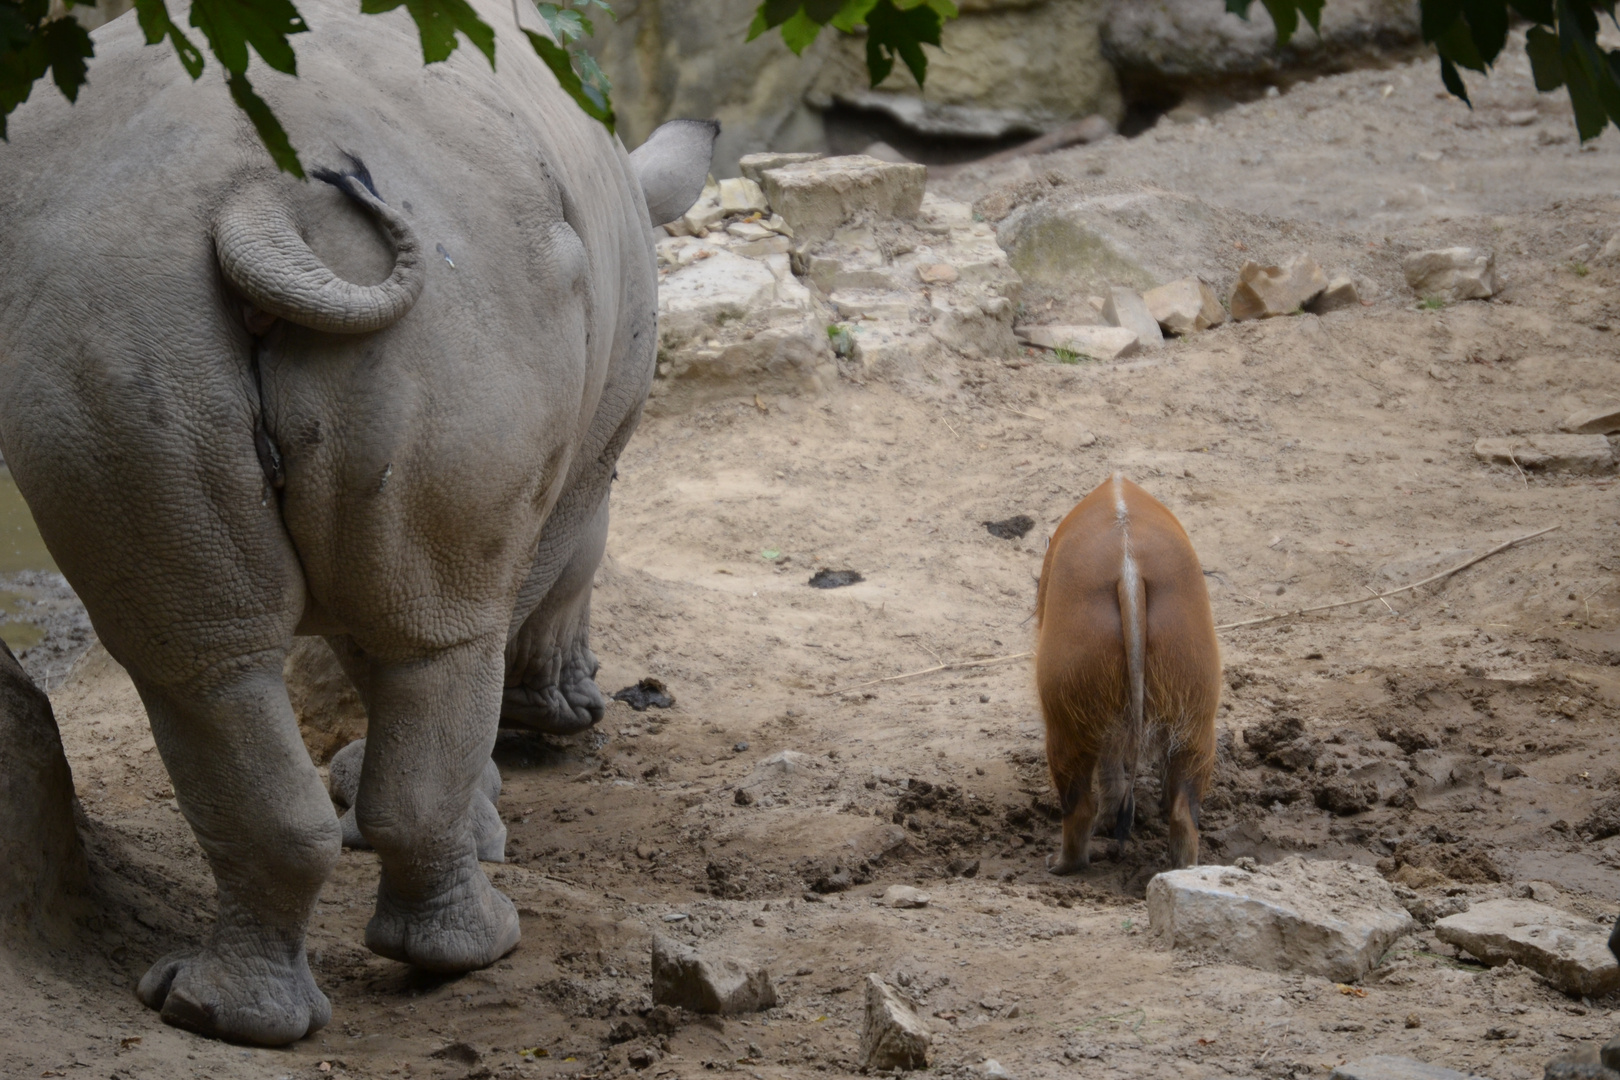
(1309, 458)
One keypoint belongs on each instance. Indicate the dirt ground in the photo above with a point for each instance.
(1461, 738)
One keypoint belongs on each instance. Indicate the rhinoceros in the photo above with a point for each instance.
(384, 408)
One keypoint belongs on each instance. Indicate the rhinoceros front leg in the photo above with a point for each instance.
(550, 668)
(432, 727)
(246, 785)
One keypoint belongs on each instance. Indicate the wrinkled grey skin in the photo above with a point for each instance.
(448, 373)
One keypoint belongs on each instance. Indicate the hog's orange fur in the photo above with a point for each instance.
(1126, 665)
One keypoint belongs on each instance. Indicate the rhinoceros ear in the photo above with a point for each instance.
(673, 164)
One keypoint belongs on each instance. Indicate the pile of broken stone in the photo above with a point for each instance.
(1336, 921)
(777, 275)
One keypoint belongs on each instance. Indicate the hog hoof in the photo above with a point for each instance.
(254, 999)
(570, 705)
(1063, 867)
(470, 926)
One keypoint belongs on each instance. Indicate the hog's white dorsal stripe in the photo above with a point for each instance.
(1130, 605)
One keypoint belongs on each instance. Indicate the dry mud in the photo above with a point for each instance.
(1462, 739)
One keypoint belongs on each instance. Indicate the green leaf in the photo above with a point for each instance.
(757, 26)
(437, 21)
(891, 32)
(851, 15)
(1536, 11)
(1453, 81)
(1457, 45)
(1488, 25)
(156, 24)
(1546, 62)
(799, 33)
(1284, 15)
(270, 130)
(777, 12)
(67, 46)
(561, 62)
(565, 26)
(1437, 17)
(232, 25)
(1596, 65)
(820, 11)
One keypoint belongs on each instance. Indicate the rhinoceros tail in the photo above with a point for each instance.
(267, 261)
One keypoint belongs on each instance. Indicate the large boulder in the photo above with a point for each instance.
(1007, 67)
(1004, 68)
(1568, 951)
(43, 872)
(1166, 48)
(1333, 919)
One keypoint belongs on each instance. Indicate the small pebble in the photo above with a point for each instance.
(740, 747)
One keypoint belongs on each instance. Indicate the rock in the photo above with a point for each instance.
(641, 1057)
(704, 213)
(1324, 918)
(1391, 1067)
(894, 1036)
(1086, 243)
(1340, 294)
(1583, 1064)
(1601, 421)
(1610, 1054)
(1126, 309)
(994, 1070)
(937, 274)
(1451, 274)
(1068, 437)
(43, 871)
(1570, 952)
(1003, 68)
(753, 166)
(816, 197)
(1554, 453)
(1185, 307)
(328, 707)
(904, 896)
(1097, 342)
(1171, 47)
(680, 977)
(1264, 292)
(740, 195)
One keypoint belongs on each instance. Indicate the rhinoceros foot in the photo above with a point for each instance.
(568, 705)
(468, 926)
(266, 997)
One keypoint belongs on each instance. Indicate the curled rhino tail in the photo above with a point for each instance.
(267, 261)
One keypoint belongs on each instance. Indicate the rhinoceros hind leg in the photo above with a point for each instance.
(266, 996)
(550, 668)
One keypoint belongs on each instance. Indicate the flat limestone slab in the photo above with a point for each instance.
(1333, 919)
(1600, 421)
(1391, 1067)
(1097, 342)
(815, 197)
(1559, 453)
(1570, 952)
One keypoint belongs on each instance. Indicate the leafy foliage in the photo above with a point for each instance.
(32, 44)
(1561, 43)
(894, 28)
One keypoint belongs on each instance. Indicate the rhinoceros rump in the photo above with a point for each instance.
(384, 409)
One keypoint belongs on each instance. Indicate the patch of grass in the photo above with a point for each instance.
(1431, 303)
(1579, 269)
(842, 341)
(1069, 356)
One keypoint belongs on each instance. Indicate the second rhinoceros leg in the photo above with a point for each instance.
(550, 668)
(432, 727)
